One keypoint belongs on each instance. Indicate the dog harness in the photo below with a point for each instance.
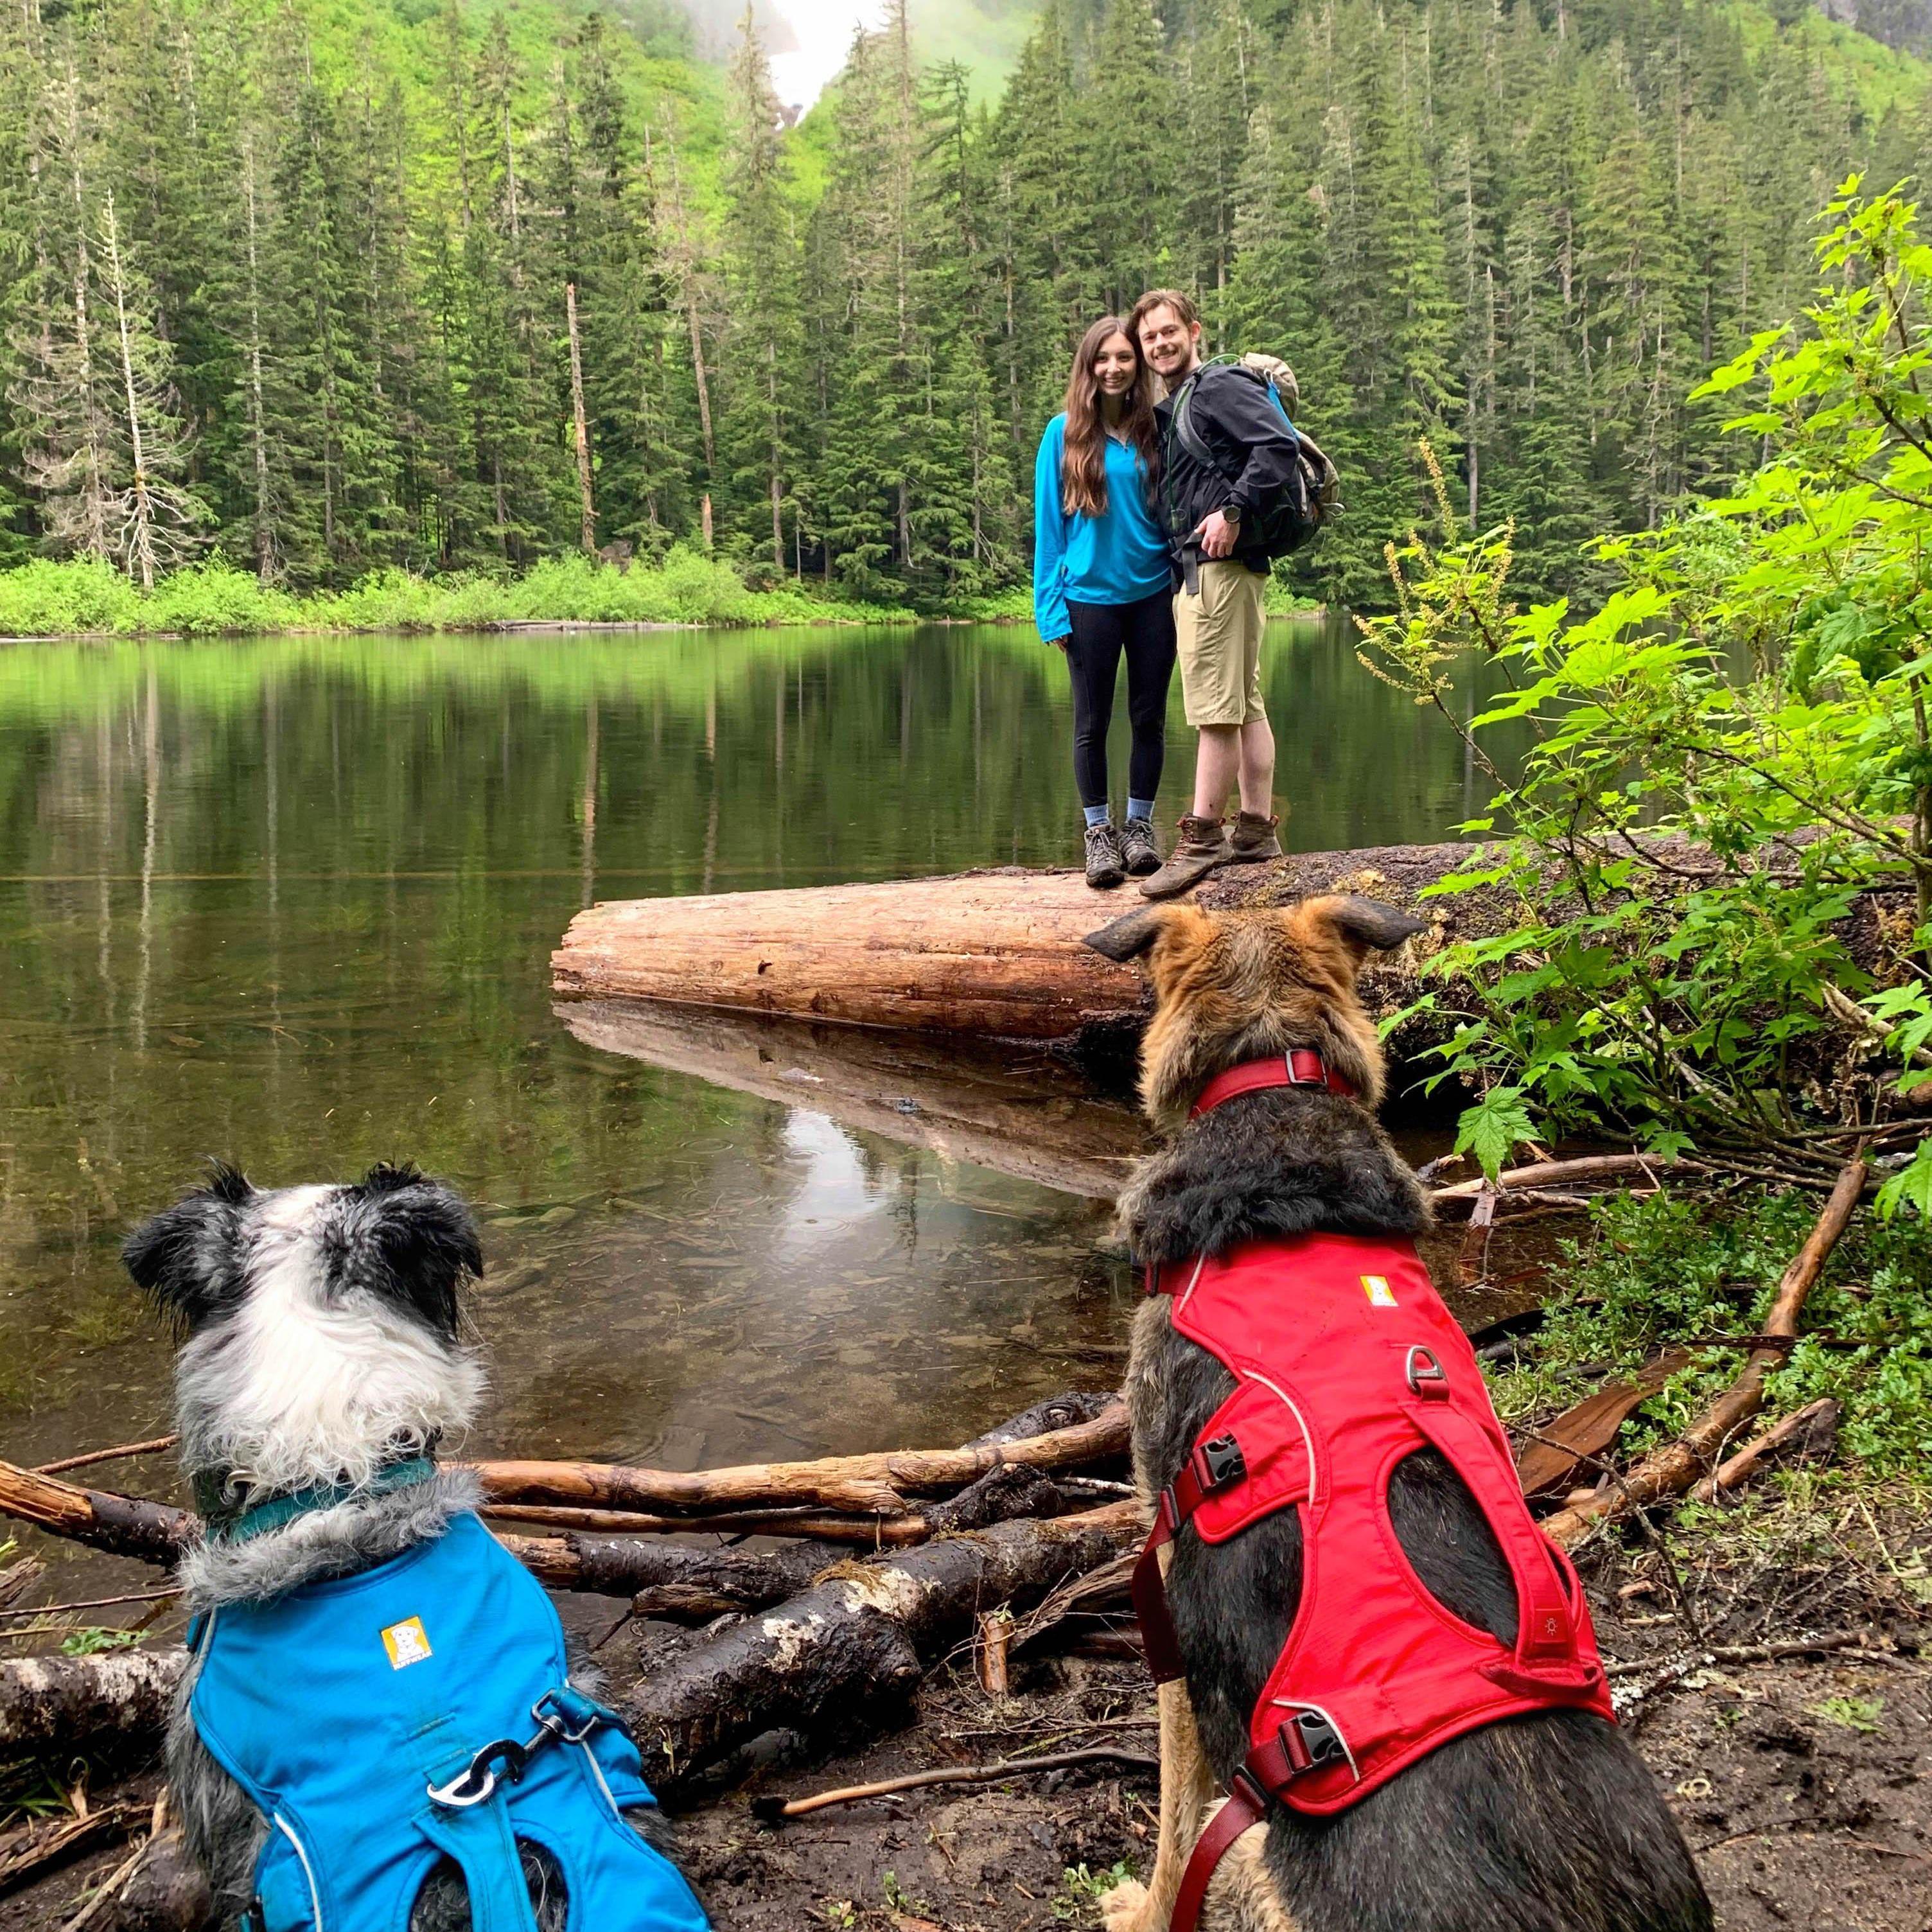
(419, 1711)
(1346, 1362)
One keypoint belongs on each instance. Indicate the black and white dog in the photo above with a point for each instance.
(323, 1359)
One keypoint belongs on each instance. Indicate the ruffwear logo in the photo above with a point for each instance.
(1376, 1288)
(407, 1642)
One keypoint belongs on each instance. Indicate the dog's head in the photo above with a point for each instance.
(321, 1325)
(1234, 986)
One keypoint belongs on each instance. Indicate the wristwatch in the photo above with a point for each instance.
(1231, 512)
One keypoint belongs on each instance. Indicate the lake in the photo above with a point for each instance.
(291, 902)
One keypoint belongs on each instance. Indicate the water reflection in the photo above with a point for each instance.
(292, 902)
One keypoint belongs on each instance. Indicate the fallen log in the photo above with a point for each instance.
(876, 1484)
(81, 1703)
(103, 1520)
(676, 1582)
(1013, 1111)
(1004, 1492)
(859, 1639)
(995, 953)
(1672, 1469)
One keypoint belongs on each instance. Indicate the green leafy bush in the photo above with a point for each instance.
(1665, 1270)
(1729, 754)
(46, 599)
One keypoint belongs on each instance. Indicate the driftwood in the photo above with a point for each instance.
(1672, 1469)
(79, 1703)
(1016, 1111)
(1580, 1433)
(773, 1809)
(857, 1642)
(873, 1484)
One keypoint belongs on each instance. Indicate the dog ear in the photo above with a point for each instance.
(1129, 937)
(184, 1258)
(411, 1241)
(1363, 926)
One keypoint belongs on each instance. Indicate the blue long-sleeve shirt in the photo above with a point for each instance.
(1117, 558)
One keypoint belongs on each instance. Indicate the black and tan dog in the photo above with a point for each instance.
(1542, 1822)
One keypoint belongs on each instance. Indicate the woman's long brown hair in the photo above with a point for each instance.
(1083, 462)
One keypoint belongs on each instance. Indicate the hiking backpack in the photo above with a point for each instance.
(1292, 517)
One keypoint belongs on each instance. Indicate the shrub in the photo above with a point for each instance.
(78, 596)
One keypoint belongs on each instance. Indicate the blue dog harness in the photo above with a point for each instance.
(419, 1711)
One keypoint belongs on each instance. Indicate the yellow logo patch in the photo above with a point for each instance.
(406, 1642)
(1376, 1288)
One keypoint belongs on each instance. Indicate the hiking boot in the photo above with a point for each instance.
(1139, 853)
(1254, 839)
(1103, 857)
(1198, 849)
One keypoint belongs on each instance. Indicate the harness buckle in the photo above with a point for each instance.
(476, 1782)
(1305, 1074)
(1311, 1740)
(1219, 1463)
(549, 1711)
(1425, 1375)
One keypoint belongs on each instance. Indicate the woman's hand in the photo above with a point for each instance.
(1060, 643)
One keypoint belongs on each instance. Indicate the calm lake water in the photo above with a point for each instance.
(292, 902)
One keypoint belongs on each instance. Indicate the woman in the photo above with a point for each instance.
(1102, 587)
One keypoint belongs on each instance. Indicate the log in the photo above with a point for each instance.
(999, 1495)
(81, 1703)
(1812, 1428)
(863, 1485)
(995, 953)
(678, 1582)
(1018, 1113)
(856, 1642)
(123, 1525)
(1672, 1469)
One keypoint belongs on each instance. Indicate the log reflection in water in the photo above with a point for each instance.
(1017, 1112)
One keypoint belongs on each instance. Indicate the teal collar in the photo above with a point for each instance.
(227, 1525)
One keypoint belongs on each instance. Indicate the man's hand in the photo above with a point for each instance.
(1218, 534)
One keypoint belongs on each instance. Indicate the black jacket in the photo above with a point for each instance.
(1254, 454)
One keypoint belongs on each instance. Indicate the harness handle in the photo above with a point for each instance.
(563, 1716)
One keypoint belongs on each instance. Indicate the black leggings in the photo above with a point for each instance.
(1101, 631)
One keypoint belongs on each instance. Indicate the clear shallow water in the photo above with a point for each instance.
(292, 903)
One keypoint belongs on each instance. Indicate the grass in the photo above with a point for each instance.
(77, 597)
(1667, 1271)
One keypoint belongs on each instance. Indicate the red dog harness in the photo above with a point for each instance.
(1346, 1362)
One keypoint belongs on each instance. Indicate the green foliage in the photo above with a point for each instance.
(1863, 1715)
(1728, 751)
(85, 596)
(1081, 1891)
(92, 1640)
(1666, 1271)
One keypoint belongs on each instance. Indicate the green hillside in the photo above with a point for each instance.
(319, 259)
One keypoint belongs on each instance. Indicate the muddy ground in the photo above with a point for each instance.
(1803, 1784)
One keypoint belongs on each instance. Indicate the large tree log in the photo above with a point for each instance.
(876, 1483)
(860, 1638)
(80, 1703)
(1014, 1111)
(123, 1525)
(994, 953)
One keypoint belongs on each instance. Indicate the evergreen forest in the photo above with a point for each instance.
(329, 287)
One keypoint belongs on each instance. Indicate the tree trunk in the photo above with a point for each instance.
(265, 552)
(587, 502)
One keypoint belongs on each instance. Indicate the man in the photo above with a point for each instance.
(1218, 609)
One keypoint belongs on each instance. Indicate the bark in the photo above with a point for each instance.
(1674, 1469)
(71, 1704)
(856, 1644)
(1016, 1113)
(864, 1484)
(123, 1525)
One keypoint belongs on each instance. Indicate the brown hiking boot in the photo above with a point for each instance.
(1139, 853)
(1254, 839)
(1199, 847)
(1103, 857)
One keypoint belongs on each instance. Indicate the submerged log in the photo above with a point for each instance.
(1014, 1111)
(994, 953)
(856, 1644)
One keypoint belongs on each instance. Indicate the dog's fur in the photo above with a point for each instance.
(322, 1339)
(1543, 1823)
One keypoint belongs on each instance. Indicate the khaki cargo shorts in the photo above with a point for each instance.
(1218, 634)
